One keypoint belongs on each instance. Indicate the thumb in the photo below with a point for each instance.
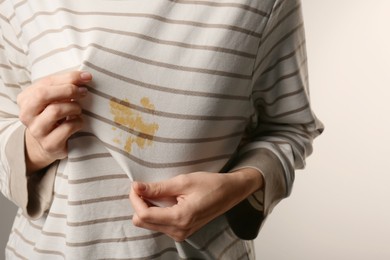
(158, 193)
(154, 189)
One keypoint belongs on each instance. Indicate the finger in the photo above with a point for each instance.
(147, 213)
(72, 77)
(53, 113)
(136, 201)
(162, 189)
(161, 215)
(44, 95)
(33, 101)
(56, 141)
(179, 235)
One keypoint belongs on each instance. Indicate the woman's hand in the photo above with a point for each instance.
(195, 199)
(51, 113)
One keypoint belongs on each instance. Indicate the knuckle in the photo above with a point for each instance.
(142, 216)
(180, 236)
(46, 81)
(23, 117)
(182, 180)
(51, 147)
(54, 110)
(182, 221)
(71, 90)
(36, 132)
(40, 92)
(136, 221)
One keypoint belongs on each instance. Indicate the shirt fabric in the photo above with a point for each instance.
(178, 86)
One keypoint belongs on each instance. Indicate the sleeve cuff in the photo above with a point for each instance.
(33, 194)
(248, 216)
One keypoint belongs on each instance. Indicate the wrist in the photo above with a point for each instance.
(249, 180)
(35, 159)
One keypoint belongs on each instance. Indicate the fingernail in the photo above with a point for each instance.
(82, 90)
(141, 186)
(85, 75)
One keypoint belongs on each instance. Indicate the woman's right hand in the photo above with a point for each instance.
(50, 110)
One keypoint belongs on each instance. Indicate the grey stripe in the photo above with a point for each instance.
(150, 16)
(11, 85)
(244, 255)
(288, 113)
(299, 146)
(154, 256)
(152, 164)
(258, 201)
(113, 240)
(97, 200)
(34, 225)
(167, 165)
(61, 196)
(61, 175)
(99, 221)
(281, 40)
(17, 232)
(18, 66)
(279, 98)
(57, 215)
(162, 139)
(20, 4)
(290, 174)
(143, 60)
(228, 247)
(16, 48)
(172, 66)
(178, 116)
(99, 178)
(216, 4)
(89, 157)
(280, 21)
(160, 113)
(15, 252)
(4, 66)
(49, 252)
(5, 19)
(163, 89)
(283, 58)
(7, 115)
(213, 239)
(146, 38)
(53, 234)
(282, 78)
(7, 97)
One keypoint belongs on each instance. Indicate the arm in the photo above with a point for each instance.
(189, 201)
(278, 141)
(284, 125)
(31, 140)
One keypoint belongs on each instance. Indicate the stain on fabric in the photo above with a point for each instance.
(132, 119)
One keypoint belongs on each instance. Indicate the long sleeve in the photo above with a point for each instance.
(32, 194)
(283, 125)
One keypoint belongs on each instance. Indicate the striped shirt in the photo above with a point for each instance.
(178, 86)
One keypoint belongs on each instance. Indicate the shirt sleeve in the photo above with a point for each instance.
(32, 194)
(283, 126)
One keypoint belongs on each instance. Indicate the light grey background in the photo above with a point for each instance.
(340, 206)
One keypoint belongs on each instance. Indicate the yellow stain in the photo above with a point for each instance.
(130, 118)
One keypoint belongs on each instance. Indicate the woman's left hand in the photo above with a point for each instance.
(195, 199)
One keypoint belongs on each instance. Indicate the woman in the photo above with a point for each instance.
(198, 110)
